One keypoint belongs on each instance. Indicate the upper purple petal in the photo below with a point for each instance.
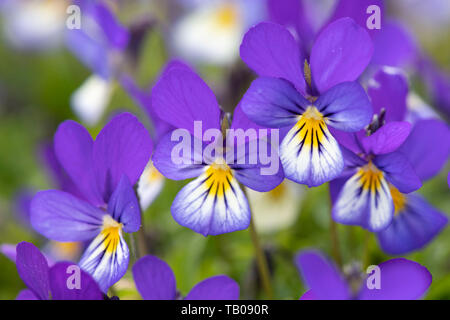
(293, 15)
(387, 139)
(33, 269)
(73, 147)
(261, 176)
(401, 279)
(340, 53)
(60, 216)
(394, 46)
(388, 91)
(124, 206)
(357, 10)
(345, 106)
(116, 35)
(427, 147)
(154, 279)
(89, 51)
(398, 171)
(192, 161)
(322, 277)
(273, 102)
(63, 273)
(271, 51)
(122, 147)
(215, 288)
(181, 97)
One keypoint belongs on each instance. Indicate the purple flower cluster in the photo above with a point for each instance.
(336, 95)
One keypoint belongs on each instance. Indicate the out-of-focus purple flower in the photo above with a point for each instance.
(100, 44)
(438, 84)
(104, 172)
(290, 96)
(213, 203)
(306, 18)
(46, 282)
(155, 281)
(400, 279)
(427, 148)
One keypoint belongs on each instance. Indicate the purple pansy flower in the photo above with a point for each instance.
(400, 279)
(100, 44)
(104, 173)
(329, 95)
(362, 195)
(46, 282)
(427, 148)
(155, 281)
(214, 202)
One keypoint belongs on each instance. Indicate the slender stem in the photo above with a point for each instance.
(261, 260)
(142, 248)
(365, 258)
(335, 242)
(334, 235)
(142, 242)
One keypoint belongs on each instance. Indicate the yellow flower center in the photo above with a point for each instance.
(219, 177)
(311, 127)
(227, 15)
(112, 231)
(370, 177)
(398, 198)
(278, 192)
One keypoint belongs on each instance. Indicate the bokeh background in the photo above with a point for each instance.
(36, 84)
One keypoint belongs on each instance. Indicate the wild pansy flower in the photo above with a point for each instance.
(211, 30)
(214, 202)
(104, 172)
(399, 279)
(427, 148)
(329, 96)
(34, 25)
(100, 44)
(155, 281)
(373, 167)
(45, 283)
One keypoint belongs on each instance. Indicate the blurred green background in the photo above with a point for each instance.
(34, 98)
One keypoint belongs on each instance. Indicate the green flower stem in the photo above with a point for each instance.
(261, 260)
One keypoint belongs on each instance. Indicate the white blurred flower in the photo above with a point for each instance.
(34, 24)
(150, 185)
(212, 31)
(277, 209)
(90, 100)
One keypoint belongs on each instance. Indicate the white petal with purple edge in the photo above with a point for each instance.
(213, 203)
(106, 258)
(309, 153)
(365, 200)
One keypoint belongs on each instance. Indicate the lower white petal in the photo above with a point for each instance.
(309, 153)
(106, 258)
(365, 200)
(212, 204)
